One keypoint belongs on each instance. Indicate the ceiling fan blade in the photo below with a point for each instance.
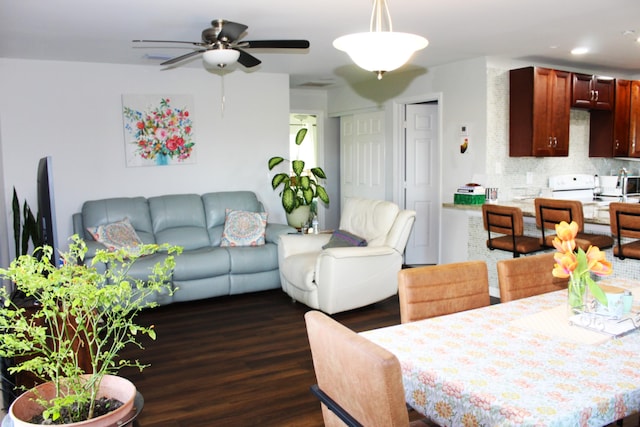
(277, 44)
(169, 41)
(182, 57)
(231, 31)
(247, 60)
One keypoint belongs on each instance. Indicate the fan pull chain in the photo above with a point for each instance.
(222, 96)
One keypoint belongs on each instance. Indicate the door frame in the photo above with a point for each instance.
(399, 152)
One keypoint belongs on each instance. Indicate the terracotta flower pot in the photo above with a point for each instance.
(24, 408)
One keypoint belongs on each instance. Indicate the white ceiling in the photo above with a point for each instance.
(533, 30)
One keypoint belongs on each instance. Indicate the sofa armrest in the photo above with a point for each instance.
(92, 248)
(274, 231)
(78, 227)
(348, 278)
(358, 252)
(292, 244)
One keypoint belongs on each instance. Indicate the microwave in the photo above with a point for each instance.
(610, 187)
(633, 185)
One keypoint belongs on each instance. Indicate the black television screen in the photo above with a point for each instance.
(46, 207)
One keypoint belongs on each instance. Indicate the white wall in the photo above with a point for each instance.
(73, 112)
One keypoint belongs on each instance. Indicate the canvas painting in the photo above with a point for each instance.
(158, 130)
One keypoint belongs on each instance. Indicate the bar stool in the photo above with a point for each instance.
(625, 222)
(550, 212)
(508, 221)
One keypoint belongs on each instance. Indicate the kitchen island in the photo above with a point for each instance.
(469, 217)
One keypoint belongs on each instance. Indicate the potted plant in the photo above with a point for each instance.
(25, 226)
(76, 305)
(300, 189)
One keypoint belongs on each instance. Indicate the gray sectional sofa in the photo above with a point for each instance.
(195, 222)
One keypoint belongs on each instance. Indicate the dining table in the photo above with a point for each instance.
(527, 362)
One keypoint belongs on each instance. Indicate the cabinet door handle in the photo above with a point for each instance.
(550, 141)
(617, 144)
(591, 95)
(597, 94)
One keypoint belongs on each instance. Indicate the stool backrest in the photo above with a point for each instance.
(550, 212)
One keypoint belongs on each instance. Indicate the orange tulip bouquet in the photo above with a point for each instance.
(578, 266)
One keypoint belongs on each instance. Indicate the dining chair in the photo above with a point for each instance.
(550, 212)
(527, 276)
(625, 223)
(359, 382)
(508, 222)
(435, 290)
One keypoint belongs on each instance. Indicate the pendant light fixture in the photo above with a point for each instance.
(380, 50)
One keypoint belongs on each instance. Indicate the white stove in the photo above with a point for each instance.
(572, 187)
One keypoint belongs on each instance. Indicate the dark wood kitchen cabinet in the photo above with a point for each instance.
(609, 130)
(539, 108)
(592, 92)
(634, 120)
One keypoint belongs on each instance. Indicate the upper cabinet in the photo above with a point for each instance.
(616, 133)
(592, 92)
(634, 120)
(609, 130)
(539, 108)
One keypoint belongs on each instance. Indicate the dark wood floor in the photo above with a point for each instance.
(238, 360)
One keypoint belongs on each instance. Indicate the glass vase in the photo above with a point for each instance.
(577, 295)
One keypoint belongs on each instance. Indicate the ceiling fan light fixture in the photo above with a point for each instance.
(220, 57)
(380, 50)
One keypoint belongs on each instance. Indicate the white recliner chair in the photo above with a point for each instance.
(343, 278)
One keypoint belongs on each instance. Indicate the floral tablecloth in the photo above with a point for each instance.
(480, 368)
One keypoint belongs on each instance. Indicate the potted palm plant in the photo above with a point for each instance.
(77, 305)
(299, 189)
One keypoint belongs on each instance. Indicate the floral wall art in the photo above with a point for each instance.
(158, 130)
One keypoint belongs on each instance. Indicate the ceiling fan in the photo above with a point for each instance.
(220, 45)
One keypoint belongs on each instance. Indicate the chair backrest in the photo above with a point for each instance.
(380, 222)
(550, 212)
(436, 290)
(362, 377)
(625, 219)
(503, 219)
(524, 277)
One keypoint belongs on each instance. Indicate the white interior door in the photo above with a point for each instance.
(421, 181)
(362, 156)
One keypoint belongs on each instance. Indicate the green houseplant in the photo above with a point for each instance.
(25, 226)
(77, 305)
(302, 187)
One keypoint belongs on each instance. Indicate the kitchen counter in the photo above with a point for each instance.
(468, 239)
(594, 212)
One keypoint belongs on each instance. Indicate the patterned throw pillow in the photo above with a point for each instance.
(342, 239)
(242, 228)
(117, 235)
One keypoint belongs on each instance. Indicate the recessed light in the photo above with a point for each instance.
(579, 51)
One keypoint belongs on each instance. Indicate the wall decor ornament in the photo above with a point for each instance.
(158, 130)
